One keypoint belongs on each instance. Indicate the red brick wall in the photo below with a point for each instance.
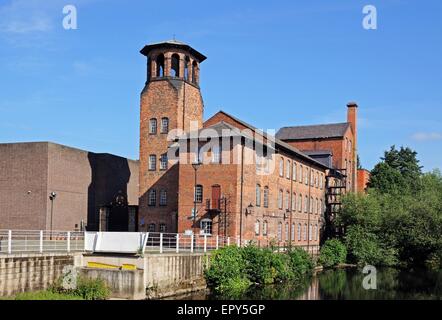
(363, 178)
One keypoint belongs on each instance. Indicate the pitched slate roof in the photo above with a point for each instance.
(333, 130)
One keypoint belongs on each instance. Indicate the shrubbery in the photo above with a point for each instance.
(232, 269)
(333, 252)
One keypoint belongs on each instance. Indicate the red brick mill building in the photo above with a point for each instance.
(247, 184)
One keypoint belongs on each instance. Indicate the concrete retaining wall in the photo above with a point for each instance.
(31, 272)
(173, 274)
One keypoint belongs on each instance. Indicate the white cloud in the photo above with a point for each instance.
(427, 136)
(20, 17)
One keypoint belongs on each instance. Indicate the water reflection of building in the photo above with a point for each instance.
(312, 292)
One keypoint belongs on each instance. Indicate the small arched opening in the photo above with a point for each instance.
(160, 65)
(175, 67)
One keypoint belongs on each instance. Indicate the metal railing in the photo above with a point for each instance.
(174, 242)
(33, 241)
(23, 241)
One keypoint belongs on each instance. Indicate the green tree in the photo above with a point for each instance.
(398, 171)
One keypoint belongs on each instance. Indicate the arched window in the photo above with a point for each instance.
(287, 200)
(164, 125)
(280, 199)
(301, 173)
(266, 197)
(280, 231)
(310, 233)
(293, 232)
(258, 195)
(294, 202)
(316, 232)
(264, 228)
(312, 203)
(160, 65)
(281, 167)
(306, 204)
(287, 169)
(286, 234)
(194, 72)
(186, 68)
(149, 67)
(294, 171)
(300, 203)
(153, 126)
(305, 232)
(299, 232)
(175, 66)
(198, 193)
(257, 227)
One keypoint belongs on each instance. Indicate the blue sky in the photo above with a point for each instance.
(271, 63)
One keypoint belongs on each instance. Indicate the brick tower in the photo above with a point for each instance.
(171, 99)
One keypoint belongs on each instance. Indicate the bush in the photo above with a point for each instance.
(333, 252)
(46, 295)
(226, 270)
(258, 265)
(300, 263)
(92, 289)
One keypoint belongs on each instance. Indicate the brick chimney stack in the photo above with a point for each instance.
(352, 115)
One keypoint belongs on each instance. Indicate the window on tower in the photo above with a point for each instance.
(186, 68)
(160, 65)
(153, 126)
(164, 125)
(152, 162)
(175, 68)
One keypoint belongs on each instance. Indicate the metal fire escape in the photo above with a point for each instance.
(218, 208)
(336, 182)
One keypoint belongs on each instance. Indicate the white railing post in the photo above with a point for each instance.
(10, 241)
(238, 243)
(205, 243)
(161, 243)
(217, 242)
(191, 242)
(177, 243)
(69, 241)
(41, 241)
(84, 241)
(228, 241)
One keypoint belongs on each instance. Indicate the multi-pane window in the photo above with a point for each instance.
(287, 169)
(305, 232)
(152, 162)
(316, 232)
(321, 181)
(198, 197)
(294, 171)
(286, 231)
(163, 161)
(258, 195)
(294, 202)
(266, 197)
(280, 200)
(306, 176)
(206, 226)
(257, 227)
(164, 125)
(216, 156)
(162, 227)
(287, 200)
(264, 228)
(151, 227)
(292, 232)
(300, 203)
(152, 197)
(310, 232)
(163, 198)
(306, 204)
(300, 173)
(280, 231)
(312, 178)
(299, 232)
(316, 206)
(312, 203)
(281, 167)
(153, 126)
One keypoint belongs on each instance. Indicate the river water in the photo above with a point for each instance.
(346, 284)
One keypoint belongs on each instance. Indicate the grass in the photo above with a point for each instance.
(43, 295)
